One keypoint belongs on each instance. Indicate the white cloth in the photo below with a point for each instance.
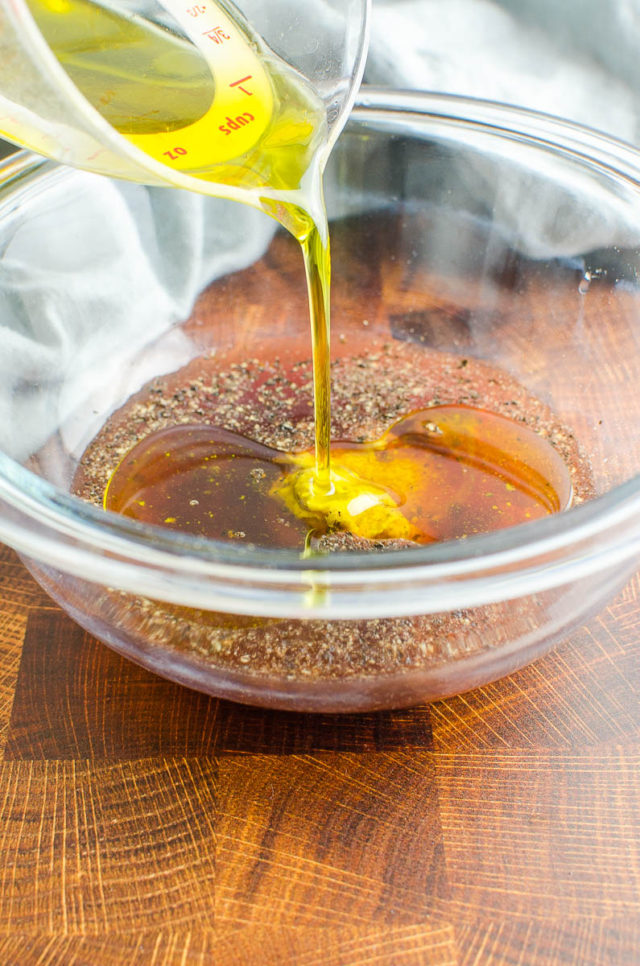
(68, 294)
(576, 59)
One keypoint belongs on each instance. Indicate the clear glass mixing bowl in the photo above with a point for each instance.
(459, 226)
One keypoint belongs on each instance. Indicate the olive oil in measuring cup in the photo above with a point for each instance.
(213, 104)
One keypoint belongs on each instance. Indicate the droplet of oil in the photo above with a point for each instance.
(437, 474)
(585, 283)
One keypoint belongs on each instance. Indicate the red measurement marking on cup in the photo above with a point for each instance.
(239, 84)
(216, 34)
(175, 153)
(237, 73)
(236, 123)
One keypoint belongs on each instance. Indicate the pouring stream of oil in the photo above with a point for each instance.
(228, 113)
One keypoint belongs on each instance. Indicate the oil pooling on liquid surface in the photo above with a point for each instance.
(441, 473)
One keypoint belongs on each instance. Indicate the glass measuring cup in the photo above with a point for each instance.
(208, 71)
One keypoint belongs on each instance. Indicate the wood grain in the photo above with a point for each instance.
(541, 835)
(135, 715)
(91, 849)
(581, 940)
(428, 945)
(322, 839)
(585, 694)
(12, 631)
(243, 730)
